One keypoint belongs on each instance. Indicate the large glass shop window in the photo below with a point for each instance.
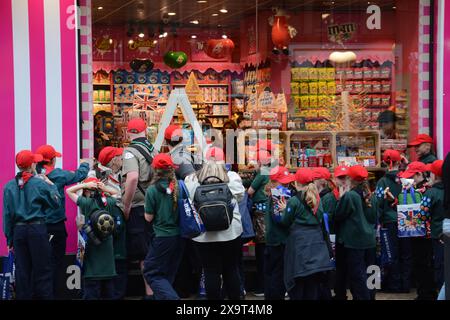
(340, 80)
(343, 80)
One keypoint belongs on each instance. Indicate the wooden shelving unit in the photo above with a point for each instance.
(315, 139)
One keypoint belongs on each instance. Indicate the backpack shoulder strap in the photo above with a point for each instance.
(148, 159)
(143, 152)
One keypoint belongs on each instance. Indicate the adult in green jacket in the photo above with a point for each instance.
(55, 218)
(25, 202)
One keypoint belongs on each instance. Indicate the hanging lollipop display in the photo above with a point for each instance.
(141, 65)
(219, 48)
(175, 59)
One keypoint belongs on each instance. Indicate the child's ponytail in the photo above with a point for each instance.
(173, 184)
(168, 174)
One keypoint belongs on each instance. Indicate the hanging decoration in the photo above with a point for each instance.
(141, 65)
(219, 48)
(175, 59)
(282, 33)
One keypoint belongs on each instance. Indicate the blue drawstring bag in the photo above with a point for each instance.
(7, 278)
(191, 224)
(247, 224)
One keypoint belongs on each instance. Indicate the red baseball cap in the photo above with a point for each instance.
(341, 171)
(421, 138)
(108, 153)
(304, 176)
(391, 156)
(91, 179)
(358, 173)
(281, 175)
(173, 131)
(412, 169)
(136, 125)
(163, 161)
(25, 158)
(48, 152)
(435, 167)
(321, 173)
(264, 157)
(215, 154)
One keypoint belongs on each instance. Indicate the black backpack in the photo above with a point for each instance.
(213, 204)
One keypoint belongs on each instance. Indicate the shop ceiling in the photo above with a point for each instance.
(210, 13)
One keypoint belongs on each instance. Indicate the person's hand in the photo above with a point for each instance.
(10, 248)
(404, 159)
(388, 195)
(126, 213)
(282, 204)
(101, 186)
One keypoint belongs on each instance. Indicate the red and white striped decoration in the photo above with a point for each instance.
(87, 130)
(425, 11)
(39, 85)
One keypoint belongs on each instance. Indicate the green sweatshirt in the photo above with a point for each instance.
(329, 204)
(428, 158)
(354, 222)
(63, 178)
(27, 204)
(297, 212)
(388, 213)
(276, 234)
(433, 205)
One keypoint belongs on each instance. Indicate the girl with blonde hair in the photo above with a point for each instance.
(219, 250)
(306, 255)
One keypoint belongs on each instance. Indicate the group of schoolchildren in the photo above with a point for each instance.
(298, 257)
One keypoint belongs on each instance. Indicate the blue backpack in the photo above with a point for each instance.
(191, 225)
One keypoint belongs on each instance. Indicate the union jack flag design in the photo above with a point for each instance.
(145, 101)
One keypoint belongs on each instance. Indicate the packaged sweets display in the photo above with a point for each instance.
(304, 88)
(323, 88)
(313, 88)
(316, 91)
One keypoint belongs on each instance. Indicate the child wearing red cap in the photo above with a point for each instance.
(109, 171)
(423, 146)
(355, 235)
(275, 237)
(422, 247)
(307, 256)
(56, 218)
(259, 207)
(98, 264)
(187, 163)
(26, 200)
(328, 196)
(397, 276)
(433, 206)
(166, 247)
